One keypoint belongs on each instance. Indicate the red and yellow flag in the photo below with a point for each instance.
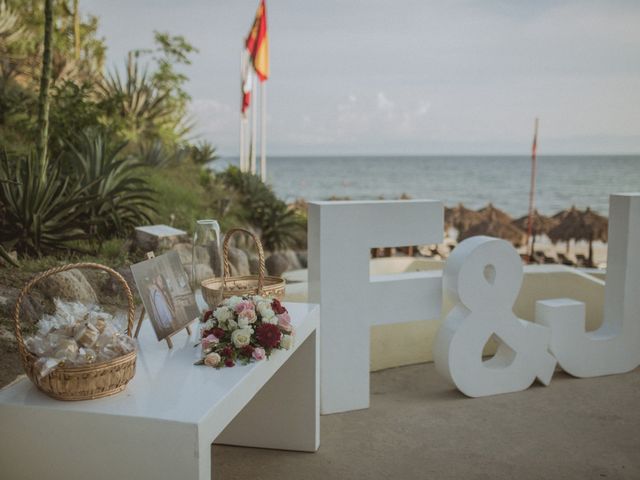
(257, 43)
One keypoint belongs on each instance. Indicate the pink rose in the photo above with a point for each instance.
(245, 305)
(284, 322)
(249, 315)
(209, 341)
(258, 353)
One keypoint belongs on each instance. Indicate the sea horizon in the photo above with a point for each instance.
(473, 180)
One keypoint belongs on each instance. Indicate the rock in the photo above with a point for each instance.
(239, 262)
(34, 305)
(70, 285)
(158, 238)
(303, 259)
(277, 263)
(254, 263)
(203, 272)
(292, 258)
(113, 287)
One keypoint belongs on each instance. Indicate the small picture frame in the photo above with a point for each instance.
(166, 295)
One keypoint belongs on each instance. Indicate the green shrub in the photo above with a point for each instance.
(122, 197)
(279, 227)
(43, 210)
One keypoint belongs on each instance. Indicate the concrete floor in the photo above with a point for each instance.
(419, 427)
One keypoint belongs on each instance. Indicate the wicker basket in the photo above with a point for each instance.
(84, 382)
(214, 290)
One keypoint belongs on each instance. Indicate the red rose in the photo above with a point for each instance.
(206, 333)
(277, 307)
(247, 351)
(207, 315)
(218, 332)
(227, 351)
(268, 335)
(229, 362)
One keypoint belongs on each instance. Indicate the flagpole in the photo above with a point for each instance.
(254, 126)
(532, 190)
(263, 132)
(241, 143)
(242, 115)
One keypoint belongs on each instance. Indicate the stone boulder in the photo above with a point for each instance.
(292, 258)
(239, 262)
(70, 285)
(254, 263)
(202, 272)
(34, 305)
(303, 259)
(277, 263)
(158, 238)
(112, 287)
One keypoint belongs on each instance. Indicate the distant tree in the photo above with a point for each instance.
(43, 99)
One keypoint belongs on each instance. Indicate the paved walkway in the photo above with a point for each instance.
(418, 427)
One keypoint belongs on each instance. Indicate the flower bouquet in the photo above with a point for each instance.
(244, 329)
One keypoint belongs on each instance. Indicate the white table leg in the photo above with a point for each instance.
(285, 414)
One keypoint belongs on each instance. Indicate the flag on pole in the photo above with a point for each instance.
(247, 85)
(257, 43)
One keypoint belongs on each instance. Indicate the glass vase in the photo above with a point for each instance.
(206, 261)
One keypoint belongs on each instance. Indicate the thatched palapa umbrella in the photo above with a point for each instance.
(541, 224)
(578, 225)
(460, 217)
(495, 214)
(495, 223)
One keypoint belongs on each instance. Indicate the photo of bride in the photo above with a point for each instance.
(164, 288)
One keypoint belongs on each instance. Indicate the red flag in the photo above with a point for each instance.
(246, 86)
(257, 43)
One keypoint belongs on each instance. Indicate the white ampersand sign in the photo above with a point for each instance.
(482, 278)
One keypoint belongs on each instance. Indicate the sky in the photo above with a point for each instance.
(415, 77)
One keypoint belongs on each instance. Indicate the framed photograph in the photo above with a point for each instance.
(166, 295)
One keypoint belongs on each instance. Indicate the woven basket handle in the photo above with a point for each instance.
(27, 288)
(225, 254)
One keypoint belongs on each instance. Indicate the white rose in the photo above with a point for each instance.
(232, 302)
(241, 337)
(208, 325)
(212, 360)
(266, 312)
(286, 341)
(243, 322)
(223, 314)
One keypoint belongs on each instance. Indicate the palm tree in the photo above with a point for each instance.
(43, 99)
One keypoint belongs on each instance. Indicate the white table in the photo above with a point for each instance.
(162, 426)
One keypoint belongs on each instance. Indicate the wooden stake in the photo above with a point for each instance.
(532, 190)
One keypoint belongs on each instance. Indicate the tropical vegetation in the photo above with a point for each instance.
(87, 153)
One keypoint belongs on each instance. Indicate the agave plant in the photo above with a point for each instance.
(203, 152)
(156, 154)
(135, 99)
(43, 211)
(281, 228)
(116, 182)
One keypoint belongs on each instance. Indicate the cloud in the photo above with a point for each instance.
(384, 103)
(215, 120)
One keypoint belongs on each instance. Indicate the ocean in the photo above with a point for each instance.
(562, 181)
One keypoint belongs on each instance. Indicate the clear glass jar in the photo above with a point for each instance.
(206, 260)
